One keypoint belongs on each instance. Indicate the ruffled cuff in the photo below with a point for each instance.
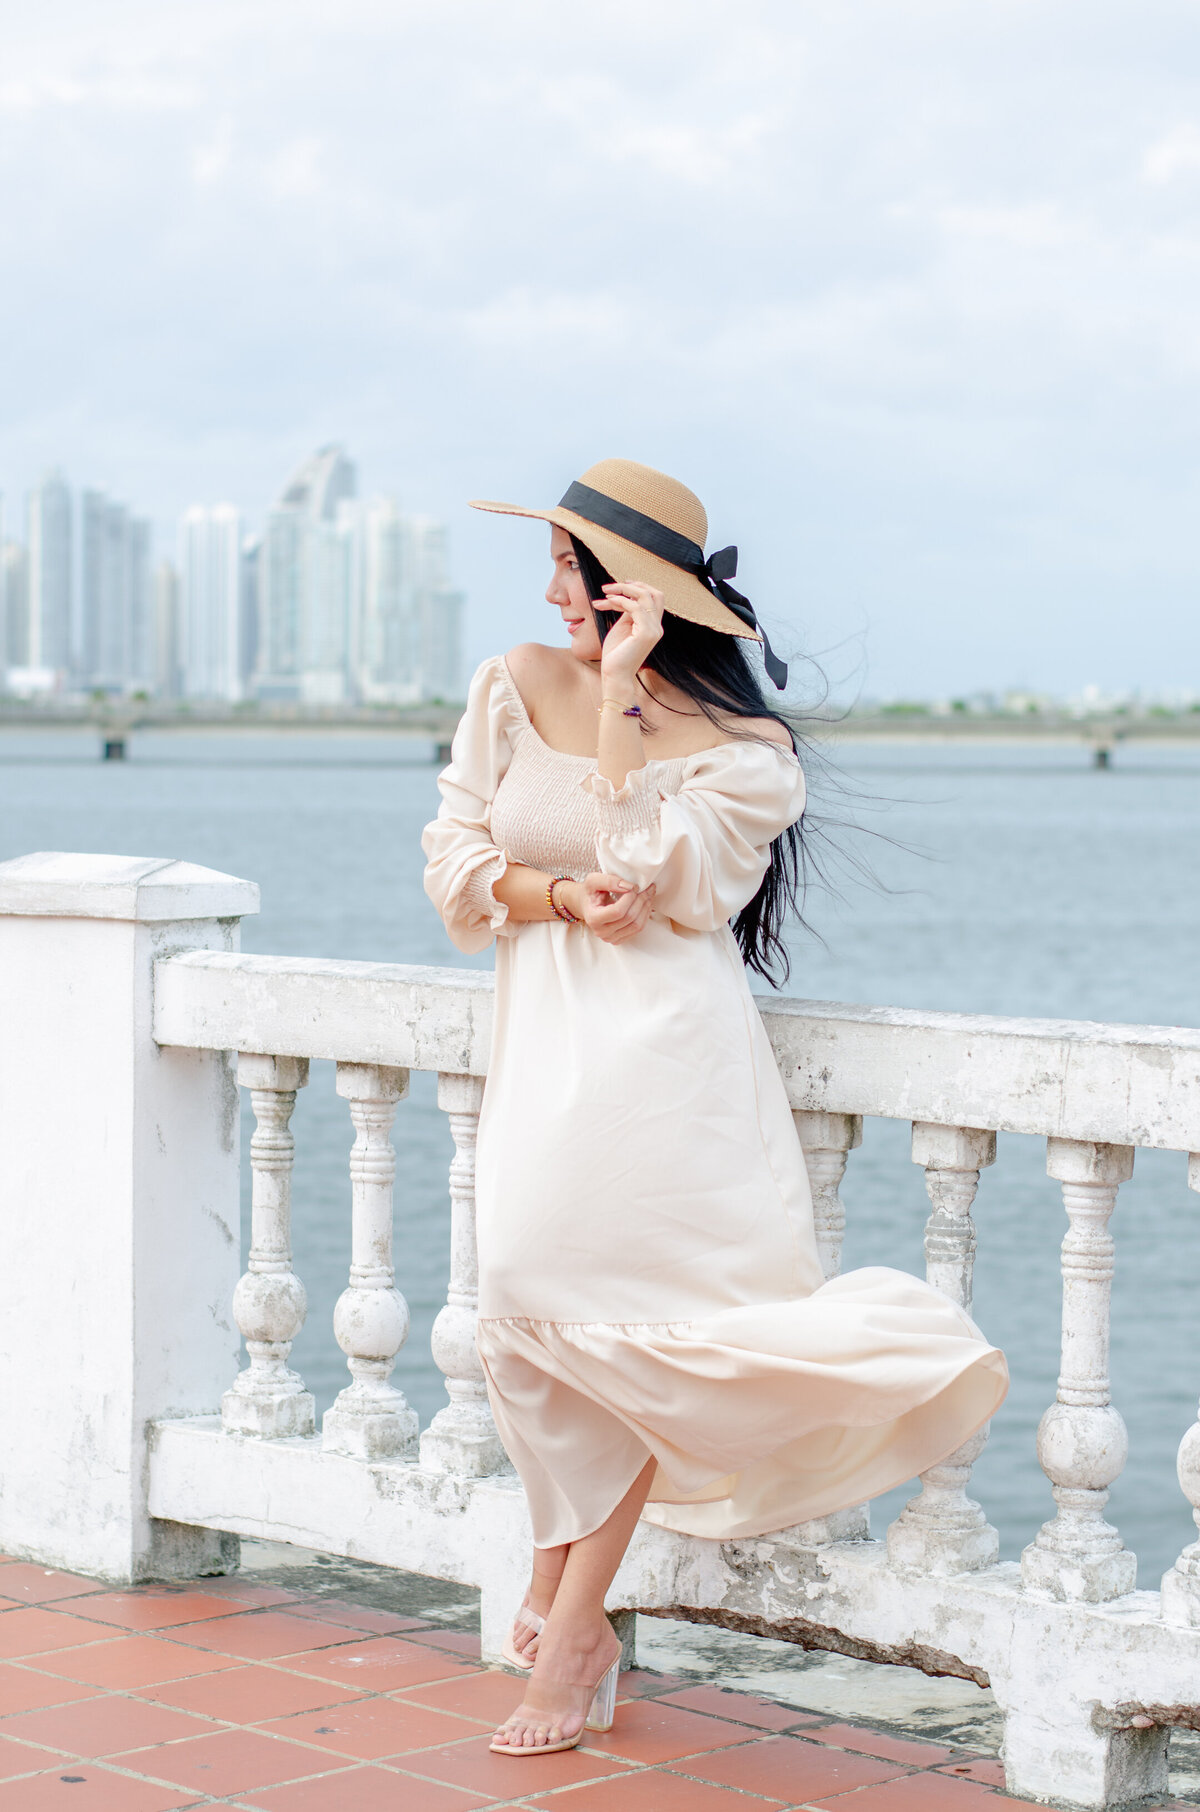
(477, 897)
(634, 808)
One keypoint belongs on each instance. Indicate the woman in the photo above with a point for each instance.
(655, 1330)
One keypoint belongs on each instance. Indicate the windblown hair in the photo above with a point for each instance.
(712, 670)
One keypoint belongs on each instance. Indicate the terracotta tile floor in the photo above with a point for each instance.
(164, 1698)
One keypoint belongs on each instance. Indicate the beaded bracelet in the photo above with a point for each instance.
(560, 912)
(616, 705)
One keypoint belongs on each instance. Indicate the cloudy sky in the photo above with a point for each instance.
(908, 291)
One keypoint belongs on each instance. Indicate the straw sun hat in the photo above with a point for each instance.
(640, 524)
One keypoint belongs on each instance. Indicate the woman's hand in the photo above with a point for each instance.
(614, 909)
(632, 637)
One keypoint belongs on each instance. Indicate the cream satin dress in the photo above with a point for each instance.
(649, 1281)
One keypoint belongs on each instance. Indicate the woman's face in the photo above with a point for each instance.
(568, 593)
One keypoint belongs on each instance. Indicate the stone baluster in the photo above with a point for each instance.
(1181, 1583)
(942, 1530)
(462, 1437)
(827, 1140)
(371, 1418)
(269, 1304)
(1082, 1444)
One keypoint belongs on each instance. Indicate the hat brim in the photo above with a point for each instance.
(683, 595)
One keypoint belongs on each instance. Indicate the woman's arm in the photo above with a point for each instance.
(611, 908)
(626, 646)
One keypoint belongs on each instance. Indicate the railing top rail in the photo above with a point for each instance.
(1074, 1079)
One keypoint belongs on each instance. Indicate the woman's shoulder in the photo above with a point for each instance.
(534, 669)
(759, 761)
(765, 729)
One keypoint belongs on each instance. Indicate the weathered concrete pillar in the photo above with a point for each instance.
(120, 1170)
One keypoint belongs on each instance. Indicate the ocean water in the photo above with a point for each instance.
(1012, 880)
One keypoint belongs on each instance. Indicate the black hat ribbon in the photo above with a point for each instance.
(643, 531)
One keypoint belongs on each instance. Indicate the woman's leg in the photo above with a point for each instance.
(578, 1643)
(548, 1564)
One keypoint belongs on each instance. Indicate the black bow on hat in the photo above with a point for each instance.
(714, 573)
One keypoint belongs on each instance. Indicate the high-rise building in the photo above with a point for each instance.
(50, 588)
(117, 622)
(405, 640)
(381, 642)
(168, 672)
(303, 615)
(210, 601)
(251, 567)
(437, 612)
(14, 616)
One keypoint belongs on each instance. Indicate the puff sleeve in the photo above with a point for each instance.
(462, 864)
(708, 846)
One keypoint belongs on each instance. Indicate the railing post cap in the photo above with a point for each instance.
(57, 884)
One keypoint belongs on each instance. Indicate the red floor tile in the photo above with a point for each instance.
(89, 1787)
(248, 1695)
(359, 1617)
(887, 1748)
(741, 1707)
(41, 1585)
(233, 1585)
(373, 1729)
(380, 1664)
(366, 1790)
(130, 1661)
(259, 1635)
(151, 1609)
(19, 1758)
(227, 1761)
(455, 1642)
(924, 1793)
(33, 1630)
(486, 1696)
(9, 1604)
(648, 1731)
(636, 1682)
(23, 1689)
(103, 1726)
(980, 1768)
(789, 1769)
(653, 1790)
(472, 1765)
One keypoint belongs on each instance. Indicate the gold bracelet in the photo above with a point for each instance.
(616, 705)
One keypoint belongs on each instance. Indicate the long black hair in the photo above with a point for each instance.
(712, 670)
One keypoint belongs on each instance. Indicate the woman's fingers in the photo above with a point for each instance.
(618, 911)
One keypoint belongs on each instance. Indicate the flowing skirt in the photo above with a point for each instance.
(649, 1279)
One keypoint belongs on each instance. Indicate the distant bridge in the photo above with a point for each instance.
(115, 723)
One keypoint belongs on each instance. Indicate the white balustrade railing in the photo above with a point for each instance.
(1090, 1673)
(943, 1530)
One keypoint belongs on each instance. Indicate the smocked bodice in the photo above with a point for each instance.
(698, 826)
(543, 816)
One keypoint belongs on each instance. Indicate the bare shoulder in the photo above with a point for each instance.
(535, 670)
(767, 728)
(774, 732)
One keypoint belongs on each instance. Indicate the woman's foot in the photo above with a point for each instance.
(543, 1584)
(570, 1666)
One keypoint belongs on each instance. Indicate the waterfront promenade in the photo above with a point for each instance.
(142, 1444)
(331, 1695)
(116, 722)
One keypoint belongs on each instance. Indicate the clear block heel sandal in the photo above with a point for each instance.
(524, 1619)
(600, 1717)
(604, 1701)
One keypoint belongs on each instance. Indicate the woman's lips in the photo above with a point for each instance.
(573, 623)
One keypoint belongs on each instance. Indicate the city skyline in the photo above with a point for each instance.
(335, 599)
